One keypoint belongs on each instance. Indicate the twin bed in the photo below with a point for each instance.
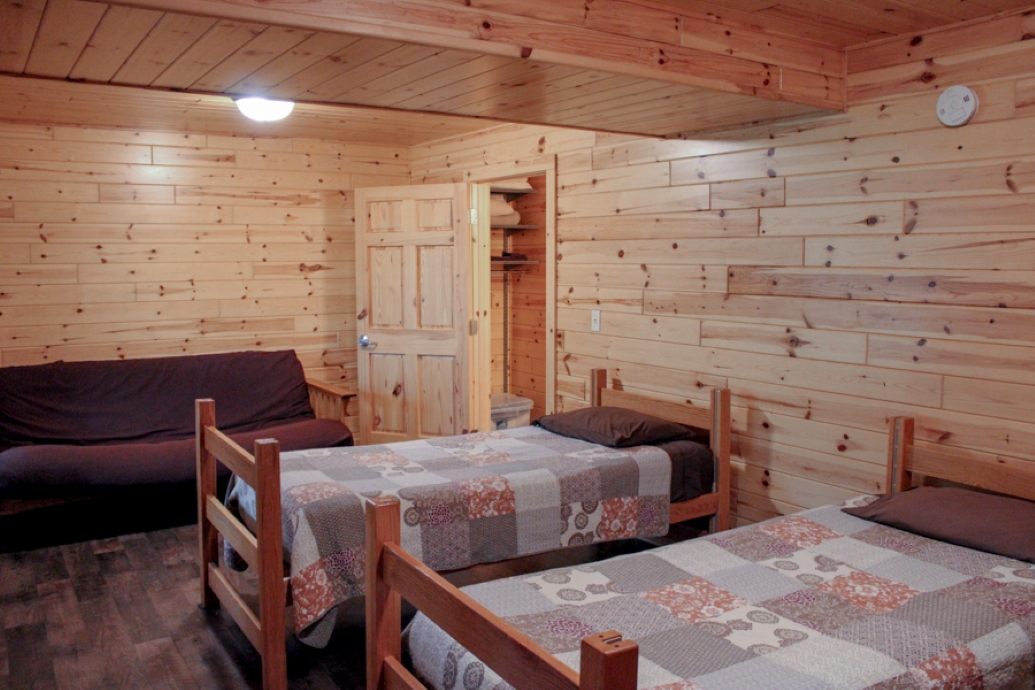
(465, 500)
(821, 599)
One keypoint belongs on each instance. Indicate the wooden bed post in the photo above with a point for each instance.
(208, 542)
(272, 590)
(720, 443)
(899, 441)
(597, 382)
(607, 662)
(384, 606)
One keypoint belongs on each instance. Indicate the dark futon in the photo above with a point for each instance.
(70, 429)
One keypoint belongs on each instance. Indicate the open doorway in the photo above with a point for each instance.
(522, 289)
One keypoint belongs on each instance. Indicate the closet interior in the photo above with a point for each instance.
(518, 221)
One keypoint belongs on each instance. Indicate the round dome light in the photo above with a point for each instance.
(264, 110)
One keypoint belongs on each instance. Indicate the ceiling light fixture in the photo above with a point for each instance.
(264, 110)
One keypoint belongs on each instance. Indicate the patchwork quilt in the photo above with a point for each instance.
(465, 500)
(813, 601)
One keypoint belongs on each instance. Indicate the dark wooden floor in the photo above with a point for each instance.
(122, 613)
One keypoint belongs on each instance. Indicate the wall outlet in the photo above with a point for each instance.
(595, 322)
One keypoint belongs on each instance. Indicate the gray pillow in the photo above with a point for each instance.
(990, 523)
(616, 427)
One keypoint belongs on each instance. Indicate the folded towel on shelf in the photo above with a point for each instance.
(509, 219)
(498, 206)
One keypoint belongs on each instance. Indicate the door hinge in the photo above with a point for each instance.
(472, 326)
(474, 216)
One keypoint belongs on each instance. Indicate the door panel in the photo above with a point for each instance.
(413, 286)
(385, 216)
(434, 215)
(386, 287)
(388, 392)
(437, 377)
(437, 287)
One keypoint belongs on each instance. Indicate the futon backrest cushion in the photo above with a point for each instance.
(123, 401)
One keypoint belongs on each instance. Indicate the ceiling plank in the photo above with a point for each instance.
(116, 37)
(448, 25)
(19, 20)
(66, 27)
(374, 90)
(171, 36)
(290, 62)
(272, 43)
(218, 43)
(357, 53)
(450, 84)
(341, 88)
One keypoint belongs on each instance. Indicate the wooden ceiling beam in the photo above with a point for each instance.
(612, 35)
(931, 60)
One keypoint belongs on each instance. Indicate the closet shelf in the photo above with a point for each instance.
(510, 190)
(515, 227)
(497, 261)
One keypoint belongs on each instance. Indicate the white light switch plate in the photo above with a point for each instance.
(595, 323)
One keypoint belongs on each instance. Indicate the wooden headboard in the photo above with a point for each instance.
(715, 418)
(989, 471)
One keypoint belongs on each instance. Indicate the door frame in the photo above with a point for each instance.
(539, 165)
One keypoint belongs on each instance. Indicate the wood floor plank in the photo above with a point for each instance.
(141, 620)
(5, 666)
(85, 571)
(123, 613)
(66, 630)
(165, 667)
(105, 624)
(19, 603)
(30, 658)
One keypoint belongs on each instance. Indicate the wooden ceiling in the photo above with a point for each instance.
(99, 43)
(52, 101)
(555, 62)
(845, 23)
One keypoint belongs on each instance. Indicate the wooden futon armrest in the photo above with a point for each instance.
(329, 401)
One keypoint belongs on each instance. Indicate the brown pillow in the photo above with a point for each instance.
(615, 427)
(995, 524)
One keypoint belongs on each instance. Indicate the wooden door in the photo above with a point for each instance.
(414, 315)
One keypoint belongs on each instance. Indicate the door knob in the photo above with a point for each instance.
(365, 342)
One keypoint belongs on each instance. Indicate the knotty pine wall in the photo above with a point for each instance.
(830, 273)
(127, 244)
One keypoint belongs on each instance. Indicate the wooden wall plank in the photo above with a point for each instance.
(105, 259)
(739, 223)
(747, 194)
(835, 219)
(993, 250)
(906, 387)
(831, 346)
(779, 252)
(880, 317)
(991, 288)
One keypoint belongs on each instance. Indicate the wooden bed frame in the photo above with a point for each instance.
(607, 661)
(715, 418)
(264, 550)
(909, 465)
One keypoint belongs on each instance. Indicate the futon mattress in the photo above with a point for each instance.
(817, 600)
